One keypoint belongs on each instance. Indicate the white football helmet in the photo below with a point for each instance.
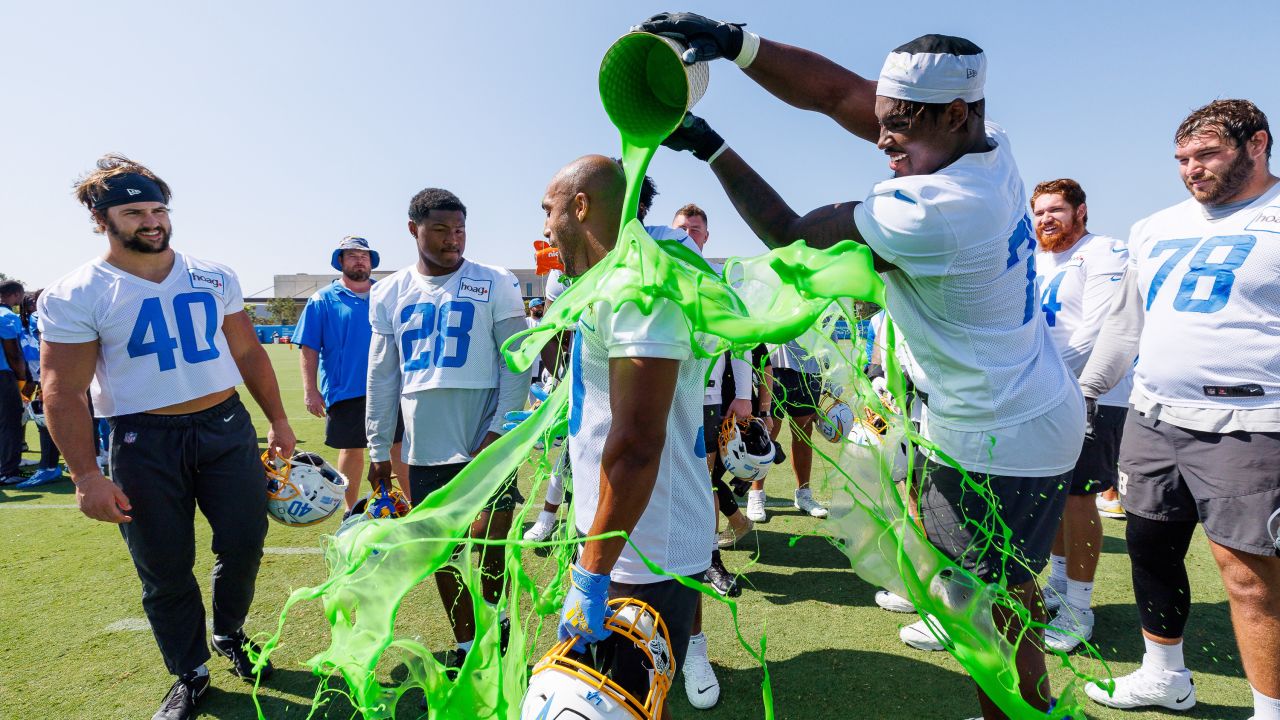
(836, 419)
(565, 688)
(303, 490)
(745, 447)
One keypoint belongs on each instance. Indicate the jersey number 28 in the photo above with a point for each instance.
(151, 323)
(439, 327)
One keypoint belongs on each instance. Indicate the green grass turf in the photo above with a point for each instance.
(64, 580)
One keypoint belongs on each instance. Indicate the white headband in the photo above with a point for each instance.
(933, 77)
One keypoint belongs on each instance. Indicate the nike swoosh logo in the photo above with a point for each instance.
(229, 419)
(702, 690)
(1184, 697)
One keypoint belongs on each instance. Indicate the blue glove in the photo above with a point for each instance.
(585, 608)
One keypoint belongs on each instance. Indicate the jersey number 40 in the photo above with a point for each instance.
(152, 323)
(435, 329)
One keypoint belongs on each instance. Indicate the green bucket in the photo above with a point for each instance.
(646, 88)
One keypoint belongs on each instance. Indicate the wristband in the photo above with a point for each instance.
(750, 46)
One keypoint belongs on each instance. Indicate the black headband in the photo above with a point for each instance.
(129, 188)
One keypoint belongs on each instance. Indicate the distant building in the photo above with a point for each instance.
(301, 286)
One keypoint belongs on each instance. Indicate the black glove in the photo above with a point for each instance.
(1090, 416)
(695, 135)
(710, 39)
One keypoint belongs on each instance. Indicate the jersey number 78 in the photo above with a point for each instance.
(1222, 273)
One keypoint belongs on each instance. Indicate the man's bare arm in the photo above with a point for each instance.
(66, 371)
(773, 220)
(260, 378)
(640, 390)
(809, 81)
(309, 359)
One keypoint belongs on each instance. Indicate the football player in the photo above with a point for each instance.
(635, 434)
(437, 328)
(163, 340)
(1203, 442)
(1078, 274)
(13, 370)
(951, 235)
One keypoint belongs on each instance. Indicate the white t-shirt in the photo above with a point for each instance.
(160, 343)
(1211, 332)
(680, 516)
(443, 326)
(964, 295)
(1076, 287)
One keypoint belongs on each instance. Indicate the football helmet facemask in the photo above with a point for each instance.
(564, 687)
(303, 490)
(745, 447)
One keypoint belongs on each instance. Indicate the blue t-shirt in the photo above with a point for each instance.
(10, 329)
(335, 323)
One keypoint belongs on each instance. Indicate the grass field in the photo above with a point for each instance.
(73, 642)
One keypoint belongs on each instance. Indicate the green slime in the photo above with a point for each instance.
(790, 292)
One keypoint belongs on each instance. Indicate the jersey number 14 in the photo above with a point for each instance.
(151, 323)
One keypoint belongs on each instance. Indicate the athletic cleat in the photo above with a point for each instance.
(181, 700)
(41, 477)
(806, 504)
(730, 537)
(28, 462)
(541, 529)
(921, 636)
(1069, 628)
(12, 480)
(1146, 687)
(894, 602)
(1053, 598)
(700, 682)
(755, 506)
(235, 648)
(719, 577)
(1109, 508)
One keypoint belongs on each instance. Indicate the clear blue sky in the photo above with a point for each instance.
(283, 126)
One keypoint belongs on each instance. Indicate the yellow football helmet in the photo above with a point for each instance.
(563, 687)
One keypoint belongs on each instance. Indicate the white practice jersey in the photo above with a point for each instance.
(680, 517)
(1211, 333)
(443, 326)
(1076, 287)
(964, 295)
(160, 343)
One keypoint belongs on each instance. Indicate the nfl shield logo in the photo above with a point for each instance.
(129, 437)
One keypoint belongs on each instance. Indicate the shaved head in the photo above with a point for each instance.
(584, 203)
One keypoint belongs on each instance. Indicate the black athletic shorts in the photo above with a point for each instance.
(1096, 470)
(711, 419)
(426, 479)
(344, 425)
(1229, 482)
(795, 393)
(959, 522)
(676, 605)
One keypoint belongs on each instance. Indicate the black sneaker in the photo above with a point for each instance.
(721, 579)
(452, 669)
(234, 649)
(180, 703)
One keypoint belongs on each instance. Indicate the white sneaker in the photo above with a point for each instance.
(28, 462)
(700, 682)
(806, 503)
(894, 602)
(922, 637)
(755, 506)
(541, 529)
(1144, 687)
(729, 537)
(1053, 599)
(1109, 508)
(1069, 628)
